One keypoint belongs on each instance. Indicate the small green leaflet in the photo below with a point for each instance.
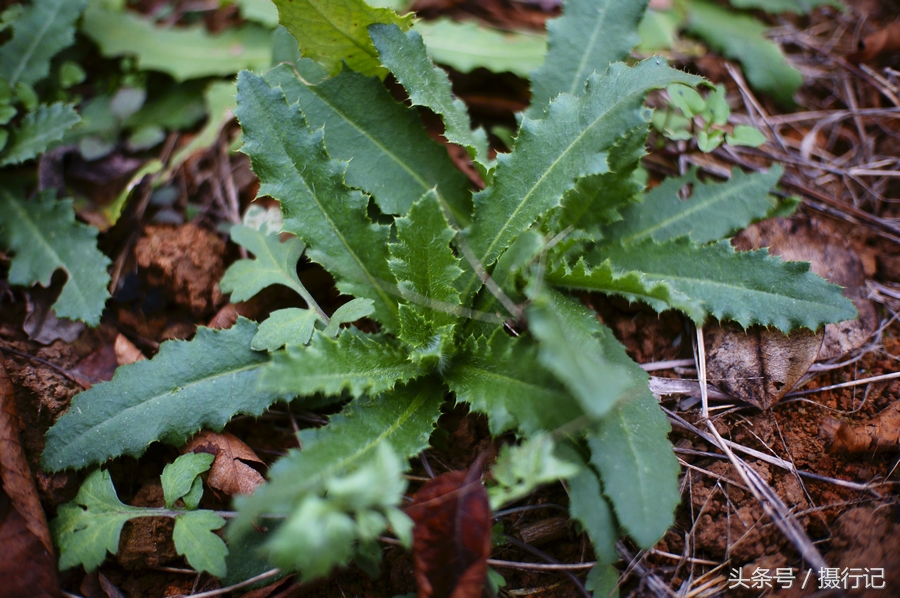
(424, 263)
(189, 385)
(45, 28)
(44, 236)
(466, 46)
(574, 345)
(184, 52)
(349, 312)
(390, 155)
(290, 326)
(742, 37)
(521, 469)
(549, 157)
(89, 526)
(318, 207)
(40, 128)
(713, 211)
(355, 361)
(405, 419)
(180, 479)
(589, 36)
(335, 31)
(194, 538)
(427, 85)
(638, 468)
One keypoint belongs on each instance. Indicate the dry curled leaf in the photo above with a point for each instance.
(452, 535)
(883, 42)
(230, 472)
(126, 352)
(882, 432)
(27, 564)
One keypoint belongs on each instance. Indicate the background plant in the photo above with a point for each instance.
(442, 270)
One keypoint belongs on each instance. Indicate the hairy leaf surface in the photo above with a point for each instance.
(639, 470)
(521, 469)
(45, 28)
(45, 125)
(184, 52)
(358, 362)
(589, 36)
(502, 378)
(570, 142)
(749, 287)
(404, 419)
(390, 155)
(189, 385)
(295, 169)
(335, 31)
(427, 85)
(713, 211)
(44, 236)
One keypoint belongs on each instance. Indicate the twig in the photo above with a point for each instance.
(80, 382)
(799, 393)
(262, 576)
(540, 566)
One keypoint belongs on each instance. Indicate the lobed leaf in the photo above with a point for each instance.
(428, 86)
(38, 130)
(194, 538)
(639, 470)
(587, 38)
(44, 236)
(358, 362)
(285, 327)
(335, 31)
(570, 142)
(275, 263)
(713, 211)
(331, 219)
(520, 469)
(184, 52)
(44, 28)
(189, 385)
(390, 155)
(749, 287)
(180, 477)
(404, 418)
(349, 312)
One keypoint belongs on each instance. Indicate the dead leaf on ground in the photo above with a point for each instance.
(758, 366)
(230, 472)
(41, 324)
(27, 564)
(882, 432)
(452, 535)
(99, 366)
(883, 42)
(126, 352)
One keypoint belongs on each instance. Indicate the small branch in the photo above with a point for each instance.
(262, 576)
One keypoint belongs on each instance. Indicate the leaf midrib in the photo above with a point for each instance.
(579, 74)
(35, 43)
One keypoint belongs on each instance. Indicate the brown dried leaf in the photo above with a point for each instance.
(27, 564)
(99, 366)
(882, 432)
(758, 366)
(230, 472)
(41, 324)
(126, 352)
(225, 317)
(452, 535)
(882, 42)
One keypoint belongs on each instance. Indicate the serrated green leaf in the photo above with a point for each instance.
(781, 6)
(295, 169)
(404, 418)
(712, 212)
(742, 37)
(347, 313)
(189, 385)
(570, 142)
(575, 346)
(179, 476)
(588, 505)
(332, 31)
(707, 141)
(428, 86)
(390, 155)
(521, 469)
(46, 125)
(639, 470)
(502, 378)
(467, 45)
(358, 362)
(426, 266)
(194, 539)
(285, 327)
(749, 287)
(89, 526)
(44, 236)
(184, 52)
(45, 28)
(587, 38)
